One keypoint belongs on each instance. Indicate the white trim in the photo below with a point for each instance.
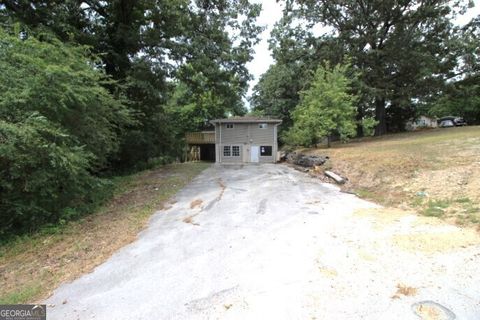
(231, 151)
(220, 154)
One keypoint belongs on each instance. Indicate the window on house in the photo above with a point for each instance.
(227, 151)
(262, 126)
(235, 151)
(229, 125)
(266, 151)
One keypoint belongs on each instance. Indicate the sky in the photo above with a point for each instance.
(272, 12)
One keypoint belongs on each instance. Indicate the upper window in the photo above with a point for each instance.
(266, 151)
(235, 151)
(263, 126)
(229, 125)
(227, 152)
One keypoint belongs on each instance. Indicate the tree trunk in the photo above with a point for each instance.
(329, 141)
(381, 127)
(359, 119)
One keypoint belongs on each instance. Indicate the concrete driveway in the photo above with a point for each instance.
(268, 242)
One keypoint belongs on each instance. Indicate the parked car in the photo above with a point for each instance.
(457, 121)
(446, 124)
(460, 122)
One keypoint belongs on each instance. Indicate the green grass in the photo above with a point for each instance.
(22, 295)
(436, 208)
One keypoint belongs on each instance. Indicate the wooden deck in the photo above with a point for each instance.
(204, 137)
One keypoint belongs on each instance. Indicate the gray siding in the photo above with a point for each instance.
(245, 135)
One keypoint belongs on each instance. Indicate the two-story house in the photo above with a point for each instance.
(246, 139)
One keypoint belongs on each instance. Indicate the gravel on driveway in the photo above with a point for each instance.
(269, 242)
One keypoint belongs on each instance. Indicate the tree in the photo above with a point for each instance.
(148, 47)
(297, 53)
(58, 127)
(461, 95)
(327, 107)
(401, 48)
(60, 82)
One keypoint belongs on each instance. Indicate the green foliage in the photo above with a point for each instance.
(109, 86)
(57, 126)
(44, 175)
(328, 107)
(60, 83)
(459, 100)
(403, 51)
(368, 125)
(150, 47)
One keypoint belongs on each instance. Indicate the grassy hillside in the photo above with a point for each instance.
(34, 265)
(436, 172)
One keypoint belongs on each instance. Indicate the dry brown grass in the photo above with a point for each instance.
(31, 268)
(436, 172)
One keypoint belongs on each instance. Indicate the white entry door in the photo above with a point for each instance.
(254, 153)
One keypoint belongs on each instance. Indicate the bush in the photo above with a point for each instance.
(61, 83)
(43, 176)
(58, 127)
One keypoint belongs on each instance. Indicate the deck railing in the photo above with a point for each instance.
(205, 137)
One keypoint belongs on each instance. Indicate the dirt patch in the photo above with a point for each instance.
(424, 234)
(189, 219)
(437, 242)
(195, 203)
(31, 268)
(404, 290)
(383, 216)
(222, 189)
(328, 272)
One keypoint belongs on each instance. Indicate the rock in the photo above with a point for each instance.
(306, 160)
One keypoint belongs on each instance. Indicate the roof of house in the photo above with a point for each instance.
(246, 120)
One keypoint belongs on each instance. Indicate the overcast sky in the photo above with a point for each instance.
(272, 12)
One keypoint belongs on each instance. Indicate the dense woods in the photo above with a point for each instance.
(91, 89)
(410, 58)
(94, 88)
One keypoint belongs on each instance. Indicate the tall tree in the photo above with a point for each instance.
(148, 46)
(400, 47)
(327, 107)
(461, 96)
(297, 53)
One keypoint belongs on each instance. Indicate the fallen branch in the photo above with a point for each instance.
(335, 177)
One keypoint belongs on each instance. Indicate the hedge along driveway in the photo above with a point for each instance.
(33, 266)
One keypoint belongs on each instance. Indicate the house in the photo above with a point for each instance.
(236, 140)
(421, 122)
(246, 139)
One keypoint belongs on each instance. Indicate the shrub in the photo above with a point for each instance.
(58, 127)
(43, 176)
